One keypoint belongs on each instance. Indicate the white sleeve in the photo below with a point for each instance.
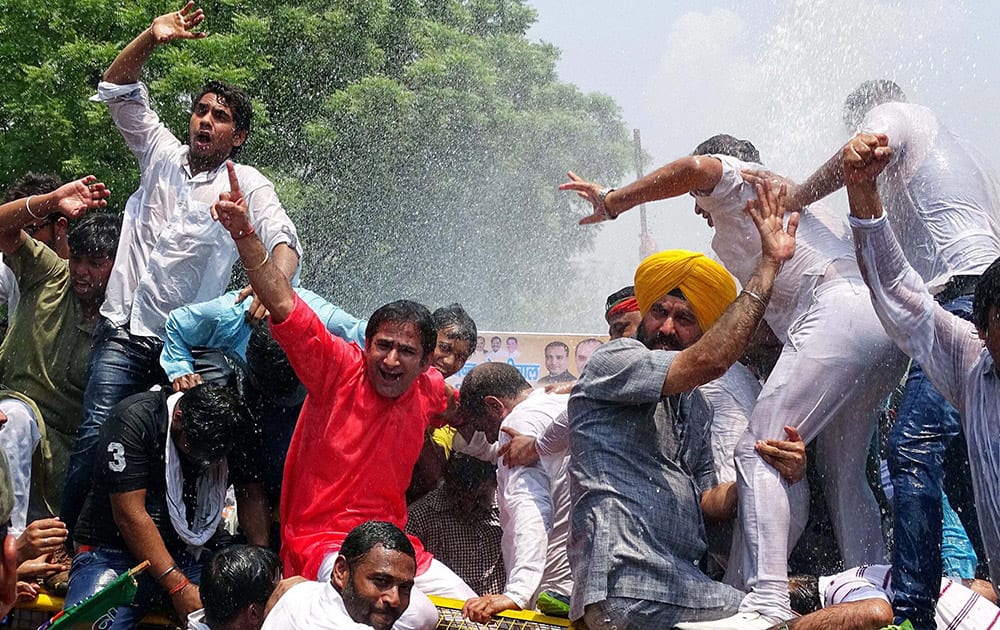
(139, 125)
(554, 440)
(525, 501)
(946, 346)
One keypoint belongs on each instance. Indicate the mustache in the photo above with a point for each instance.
(659, 340)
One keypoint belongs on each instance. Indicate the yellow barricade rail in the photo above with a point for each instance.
(450, 618)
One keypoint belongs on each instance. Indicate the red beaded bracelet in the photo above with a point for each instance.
(180, 586)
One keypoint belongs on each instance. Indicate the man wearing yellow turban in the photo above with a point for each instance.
(836, 368)
(636, 521)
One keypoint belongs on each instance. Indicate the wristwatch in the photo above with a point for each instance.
(602, 195)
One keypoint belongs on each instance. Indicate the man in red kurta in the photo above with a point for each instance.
(362, 424)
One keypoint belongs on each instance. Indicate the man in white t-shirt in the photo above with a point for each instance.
(369, 587)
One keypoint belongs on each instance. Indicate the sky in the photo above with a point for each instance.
(775, 72)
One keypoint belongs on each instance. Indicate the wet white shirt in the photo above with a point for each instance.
(822, 238)
(534, 507)
(171, 252)
(311, 606)
(731, 398)
(954, 358)
(10, 294)
(942, 198)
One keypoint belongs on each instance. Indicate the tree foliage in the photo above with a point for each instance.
(416, 144)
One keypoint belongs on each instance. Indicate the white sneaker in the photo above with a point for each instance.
(739, 621)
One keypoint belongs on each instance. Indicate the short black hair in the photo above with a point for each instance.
(557, 344)
(724, 144)
(96, 235)
(212, 416)
(454, 316)
(362, 538)
(465, 473)
(502, 380)
(236, 577)
(868, 95)
(35, 184)
(621, 294)
(405, 312)
(987, 294)
(235, 99)
(268, 366)
(32, 184)
(803, 590)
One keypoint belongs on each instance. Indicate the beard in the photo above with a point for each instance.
(659, 341)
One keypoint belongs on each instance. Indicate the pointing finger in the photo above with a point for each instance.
(234, 182)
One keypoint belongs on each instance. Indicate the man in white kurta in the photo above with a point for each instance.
(958, 356)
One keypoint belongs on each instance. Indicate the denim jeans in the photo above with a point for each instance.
(919, 461)
(93, 570)
(121, 364)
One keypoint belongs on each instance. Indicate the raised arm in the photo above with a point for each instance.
(72, 200)
(687, 174)
(829, 177)
(268, 279)
(722, 344)
(127, 66)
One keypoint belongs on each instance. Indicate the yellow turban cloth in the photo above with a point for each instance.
(705, 283)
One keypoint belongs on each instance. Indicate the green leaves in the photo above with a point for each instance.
(417, 144)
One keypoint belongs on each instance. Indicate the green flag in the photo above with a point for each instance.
(119, 592)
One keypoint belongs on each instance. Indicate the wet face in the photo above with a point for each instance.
(623, 324)
(670, 324)
(450, 354)
(556, 359)
(89, 276)
(377, 590)
(394, 358)
(212, 132)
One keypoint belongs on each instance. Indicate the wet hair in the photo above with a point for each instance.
(362, 538)
(235, 99)
(987, 294)
(489, 379)
(96, 235)
(724, 144)
(405, 312)
(268, 365)
(557, 344)
(621, 294)
(212, 416)
(454, 316)
(803, 590)
(35, 184)
(236, 577)
(868, 95)
(465, 473)
(32, 184)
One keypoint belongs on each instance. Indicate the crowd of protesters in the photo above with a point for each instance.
(664, 486)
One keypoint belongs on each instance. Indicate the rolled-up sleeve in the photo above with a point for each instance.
(139, 125)
(272, 223)
(626, 372)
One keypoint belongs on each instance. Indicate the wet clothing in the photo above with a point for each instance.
(952, 355)
(311, 606)
(44, 358)
(944, 202)
(636, 478)
(814, 387)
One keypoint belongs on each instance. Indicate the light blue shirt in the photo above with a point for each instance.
(221, 324)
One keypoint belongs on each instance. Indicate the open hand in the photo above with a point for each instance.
(179, 24)
(592, 193)
(75, 198)
(777, 242)
(865, 155)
